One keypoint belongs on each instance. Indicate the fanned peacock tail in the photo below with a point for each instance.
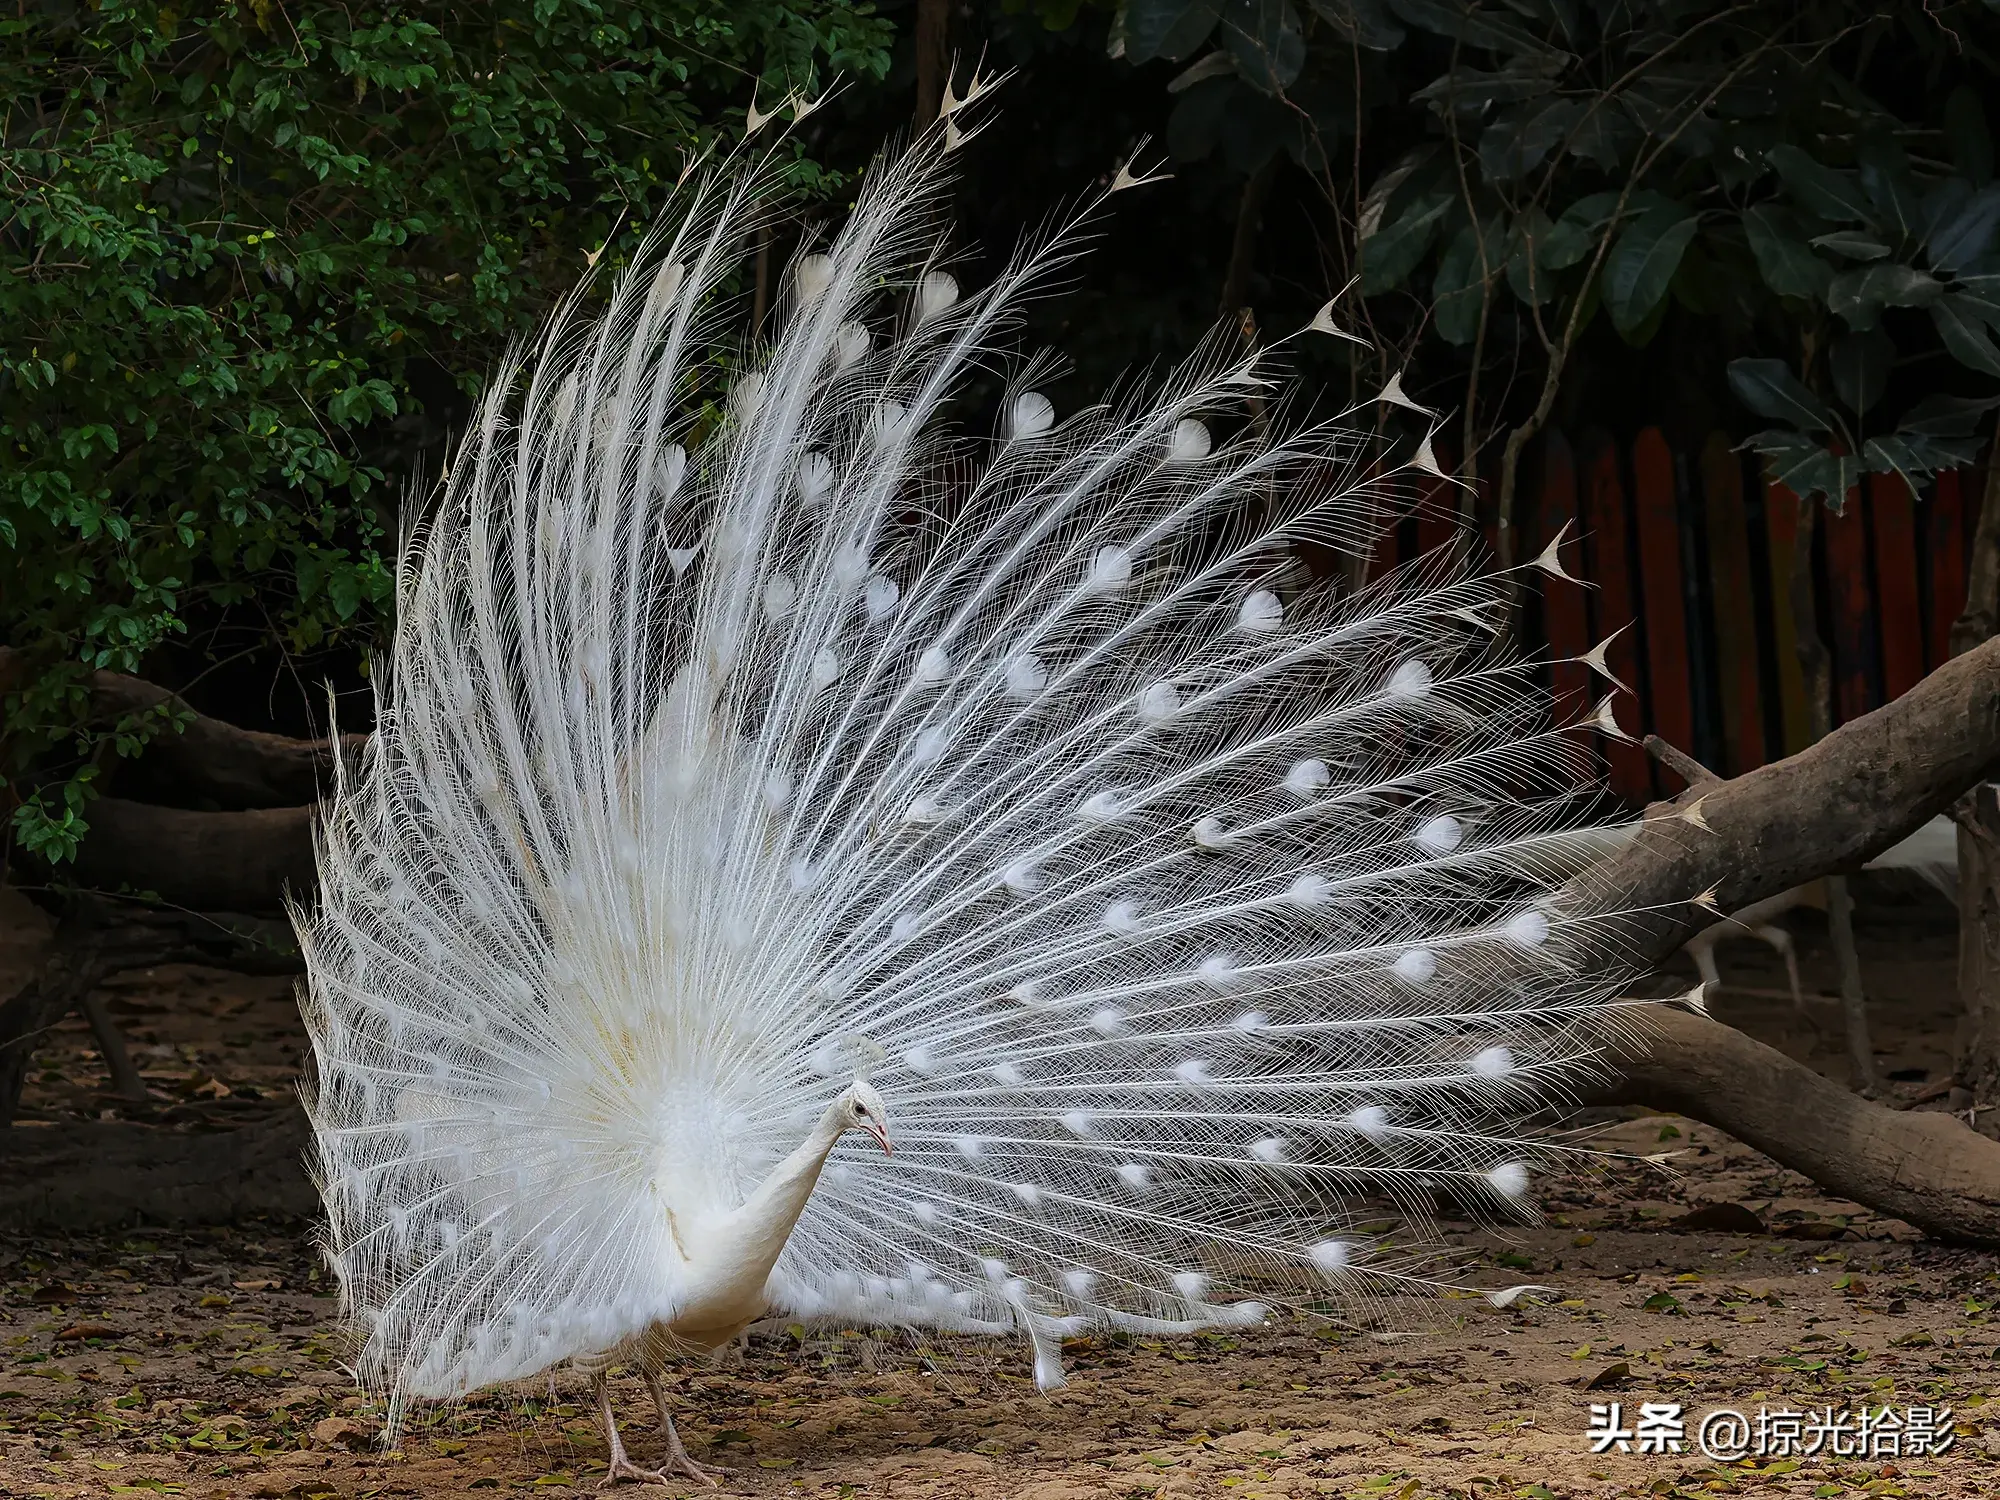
(1185, 907)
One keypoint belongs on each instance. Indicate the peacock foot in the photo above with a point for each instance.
(623, 1468)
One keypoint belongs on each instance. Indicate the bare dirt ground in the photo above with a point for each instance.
(206, 1364)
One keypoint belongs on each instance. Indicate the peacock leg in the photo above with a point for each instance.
(620, 1466)
(678, 1461)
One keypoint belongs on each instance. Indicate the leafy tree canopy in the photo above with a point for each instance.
(256, 257)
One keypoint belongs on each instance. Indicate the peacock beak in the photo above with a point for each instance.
(881, 1134)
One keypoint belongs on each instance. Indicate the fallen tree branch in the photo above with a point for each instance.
(208, 760)
(1842, 800)
(1922, 1167)
(105, 1175)
(207, 861)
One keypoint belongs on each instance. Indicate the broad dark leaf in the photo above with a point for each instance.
(1860, 364)
(1970, 233)
(1642, 263)
(1824, 190)
(1265, 38)
(1947, 416)
(1784, 258)
(1885, 176)
(1965, 335)
(1520, 140)
(1366, 22)
(1604, 134)
(1390, 255)
(1474, 91)
(1854, 244)
(1576, 233)
(1770, 389)
(1805, 468)
(1471, 24)
(1464, 282)
(1965, 128)
(1859, 296)
(1167, 28)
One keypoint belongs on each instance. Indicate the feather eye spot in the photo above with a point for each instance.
(1101, 807)
(1307, 777)
(892, 424)
(1123, 918)
(1135, 1175)
(1027, 1192)
(880, 596)
(1022, 877)
(1219, 972)
(1110, 1021)
(1025, 677)
(1209, 833)
(824, 668)
(1309, 891)
(1416, 965)
(777, 790)
(1409, 681)
(780, 594)
(971, 1147)
(1509, 1179)
(1190, 442)
(937, 294)
(1262, 613)
(811, 276)
(1194, 1070)
(851, 345)
(1529, 929)
(933, 667)
(1270, 1149)
(1190, 1284)
(927, 748)
(1493, 1062)
(1079, 1123)
(1110, 569)
(1331, 1255)
(1251, 1021)
(747, 395)
(1033, 414)
(1441, 835)
(1370, 1120)
(1079, 1282)
(1158, 703)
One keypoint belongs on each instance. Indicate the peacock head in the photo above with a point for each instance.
(862, 1108)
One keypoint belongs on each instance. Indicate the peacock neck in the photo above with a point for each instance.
(745, 1244)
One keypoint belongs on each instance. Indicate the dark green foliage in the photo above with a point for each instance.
(258, 257)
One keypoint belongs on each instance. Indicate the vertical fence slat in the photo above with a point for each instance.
(1565, 611)
(1944, 540)
(1781, 524)
(1611, 570)
(1669, 681)
(1735, 610)
(1893, 513)
(1851, 607)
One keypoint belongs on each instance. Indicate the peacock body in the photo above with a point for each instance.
(758, 790)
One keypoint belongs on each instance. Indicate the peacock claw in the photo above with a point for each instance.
(622, 1469)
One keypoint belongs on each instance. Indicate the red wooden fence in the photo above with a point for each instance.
(1689, 558)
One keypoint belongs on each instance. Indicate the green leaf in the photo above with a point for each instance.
(1805, 467)
(1462, 285)
(1642, 264)
(1171, 29)
(1859, 364)
(1969, 234)
(1885, 176)
(1365, 22)
(1475, 92)
(1947, 416)
(1769, 389)
(1851, 243)
(1390, 255)
(1474, 25)
(1964, 334)
(1264, 38)
(1576, 233)
(1860, 296)
(1823, 190)
(1521, 140)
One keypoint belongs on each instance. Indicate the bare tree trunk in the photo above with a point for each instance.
(1243, 244)
(1816, 663)
(933, 47)
(1976, 1071)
